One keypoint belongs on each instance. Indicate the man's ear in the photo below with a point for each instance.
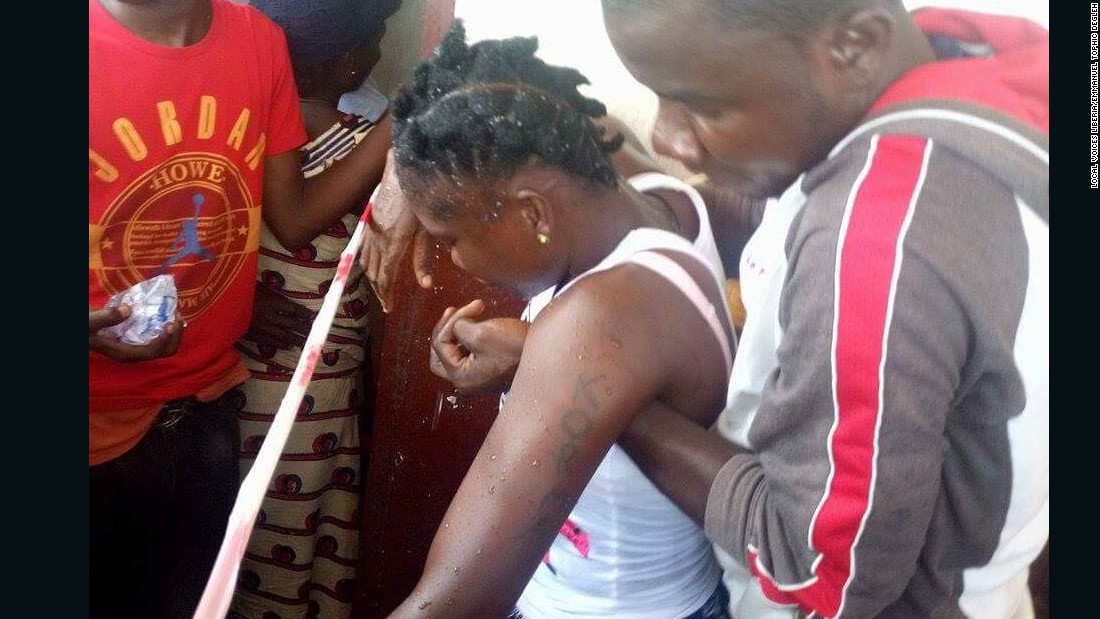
(858, 42)
(535, 210)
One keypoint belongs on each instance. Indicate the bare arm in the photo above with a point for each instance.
(282, 197)
(678, 455)
(604, 351)
(586, 370)
(298, 210)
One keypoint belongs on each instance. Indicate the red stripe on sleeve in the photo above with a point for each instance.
(865, 278)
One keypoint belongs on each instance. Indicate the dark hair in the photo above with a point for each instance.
(795, 19)
(319, 31)
(484, 110)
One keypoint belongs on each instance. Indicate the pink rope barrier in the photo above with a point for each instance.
(218, 593)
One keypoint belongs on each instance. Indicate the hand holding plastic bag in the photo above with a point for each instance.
(138, 324)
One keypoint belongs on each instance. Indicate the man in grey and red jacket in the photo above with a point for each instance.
(884, 451)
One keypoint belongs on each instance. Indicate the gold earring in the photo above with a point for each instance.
(543, 239)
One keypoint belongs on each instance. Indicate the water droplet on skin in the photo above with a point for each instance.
(456, 568)
(534, 463)
(452, 400)
(492, 489)
(493, 457)
(423, 605)
(478, 551)
(446, 525)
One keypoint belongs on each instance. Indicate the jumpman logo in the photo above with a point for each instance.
(187, 241)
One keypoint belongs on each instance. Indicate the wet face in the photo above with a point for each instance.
(745, 107)
(487, 235)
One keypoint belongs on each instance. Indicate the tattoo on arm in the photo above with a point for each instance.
(575, 425)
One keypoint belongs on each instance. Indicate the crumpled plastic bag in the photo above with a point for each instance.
(153, 304)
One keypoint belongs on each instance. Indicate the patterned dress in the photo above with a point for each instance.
(302, 555)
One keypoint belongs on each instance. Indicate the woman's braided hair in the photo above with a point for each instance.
(483, 110)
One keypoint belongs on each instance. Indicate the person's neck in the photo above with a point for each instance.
(912, 50)
(322, 101)
(610, 214)
(317, 87)
(171, 23)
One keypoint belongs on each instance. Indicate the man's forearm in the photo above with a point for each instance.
(680, 457)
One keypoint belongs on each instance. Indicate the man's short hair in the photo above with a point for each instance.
(793, 18)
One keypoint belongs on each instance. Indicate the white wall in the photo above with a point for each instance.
(400, 47)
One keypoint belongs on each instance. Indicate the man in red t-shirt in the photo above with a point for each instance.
(194, 130)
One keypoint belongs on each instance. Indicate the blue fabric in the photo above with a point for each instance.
(716, 606)
(367, 102)
(320, 31)
(948, 48)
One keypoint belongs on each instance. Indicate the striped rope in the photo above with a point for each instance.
(218, 594)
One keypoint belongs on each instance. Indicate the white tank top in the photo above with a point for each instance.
(626, 551)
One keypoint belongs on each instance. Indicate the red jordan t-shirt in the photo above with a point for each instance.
(177, 140)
